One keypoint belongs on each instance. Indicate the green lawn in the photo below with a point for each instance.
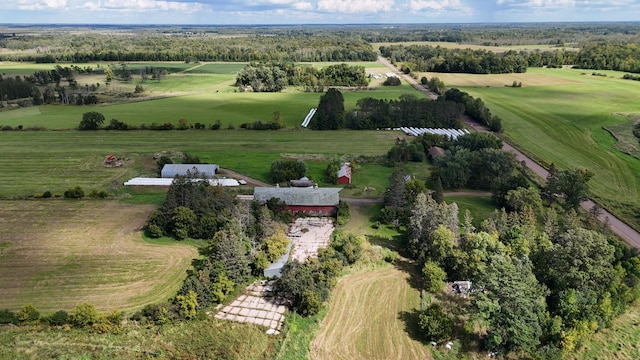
(480, 207)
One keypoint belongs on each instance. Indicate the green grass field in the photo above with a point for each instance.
(202, 93)
(563, 124)
(480, 207)
(37, 161)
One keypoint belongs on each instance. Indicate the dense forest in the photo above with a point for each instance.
(593, 55)
(274, 77)
(543, 278)
(558, 34)
(116, 46)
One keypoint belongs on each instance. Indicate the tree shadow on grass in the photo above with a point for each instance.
(403, 262)
(412, 269)
(394, 243)
(411, 324)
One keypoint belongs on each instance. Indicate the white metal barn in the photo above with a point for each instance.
(171, 170)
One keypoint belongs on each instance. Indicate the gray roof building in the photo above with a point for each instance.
(313, 196)
(171, 170)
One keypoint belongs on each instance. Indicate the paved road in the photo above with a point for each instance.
(617, 226)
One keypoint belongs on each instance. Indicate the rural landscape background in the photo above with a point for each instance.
(565, 95)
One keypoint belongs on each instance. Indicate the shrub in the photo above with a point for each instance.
(217, 125)
(59, 318)
(28, 313)
(98, 194)
(47, 194)
(436, 325)
(74, 193)
(84, 314)
(433, 277)
(392, 81)
(8, 317)
(91, 121)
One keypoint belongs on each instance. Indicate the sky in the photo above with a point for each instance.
(253, 12)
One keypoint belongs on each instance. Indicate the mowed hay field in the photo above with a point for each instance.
(365, 319)
(562, 123)
(55, 254)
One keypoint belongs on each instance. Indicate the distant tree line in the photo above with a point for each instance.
(439, 59)
(591, 55)
(609, 56)
(275, 45)
(503, 34)
(274, 77)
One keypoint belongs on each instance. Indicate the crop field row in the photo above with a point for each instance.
(56, 254)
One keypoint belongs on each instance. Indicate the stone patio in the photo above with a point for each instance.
(256, 306)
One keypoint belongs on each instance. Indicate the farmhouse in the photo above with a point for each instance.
(303, 182)
(171, 170)
(310, 201)
(344, 174)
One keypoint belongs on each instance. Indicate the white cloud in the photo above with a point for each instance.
(306, 6)
(109, 5)
(355, 6)
(147, 5)
(540, 3)
(41, 4)
(441, 5)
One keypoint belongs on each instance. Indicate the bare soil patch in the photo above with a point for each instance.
(58, 253)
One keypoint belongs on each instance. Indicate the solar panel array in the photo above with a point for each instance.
(452, 134)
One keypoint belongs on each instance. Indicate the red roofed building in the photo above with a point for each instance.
(344, 174)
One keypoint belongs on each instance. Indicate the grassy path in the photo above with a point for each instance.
(365, 319)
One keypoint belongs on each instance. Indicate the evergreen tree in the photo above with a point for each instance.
(330, 114)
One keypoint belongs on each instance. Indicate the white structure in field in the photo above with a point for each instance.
(142, 181)
(452, 134)
(307, 118)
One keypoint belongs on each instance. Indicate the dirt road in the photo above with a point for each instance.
(617, 226)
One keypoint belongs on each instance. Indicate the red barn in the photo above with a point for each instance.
(311, 201)
(344, 174)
